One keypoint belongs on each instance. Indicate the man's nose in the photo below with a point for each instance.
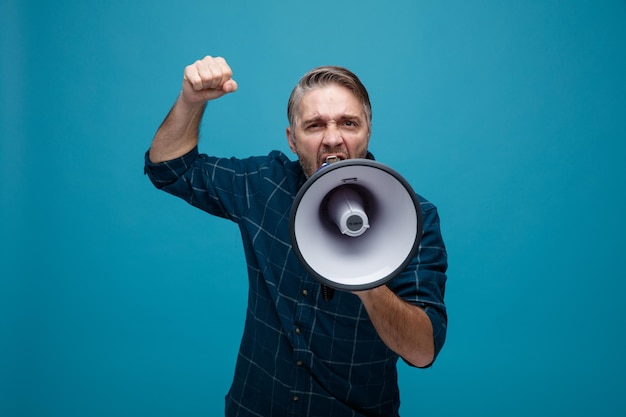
(332, 135)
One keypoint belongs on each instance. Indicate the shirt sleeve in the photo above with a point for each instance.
(423, 282)
(224, 187)
(209, 183)
(166, 173)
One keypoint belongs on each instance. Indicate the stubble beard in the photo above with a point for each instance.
(310, 167)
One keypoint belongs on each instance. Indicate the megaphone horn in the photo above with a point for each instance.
(355, 224)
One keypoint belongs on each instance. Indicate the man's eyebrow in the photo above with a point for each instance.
(315, 118)
(350, 117)
(319, 118)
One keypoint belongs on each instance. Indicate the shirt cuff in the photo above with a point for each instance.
(165, 173)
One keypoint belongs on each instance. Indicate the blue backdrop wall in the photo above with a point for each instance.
(117, 299)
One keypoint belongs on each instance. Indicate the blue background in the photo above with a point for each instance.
(117, 299)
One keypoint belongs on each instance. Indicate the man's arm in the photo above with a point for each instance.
(204, 80)
(405, 328)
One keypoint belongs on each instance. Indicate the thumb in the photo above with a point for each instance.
(230, 86)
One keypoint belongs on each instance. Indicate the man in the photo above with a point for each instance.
(300, 354)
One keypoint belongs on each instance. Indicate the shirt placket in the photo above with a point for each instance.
(302, 332)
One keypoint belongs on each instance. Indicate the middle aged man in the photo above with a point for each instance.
(301, 355)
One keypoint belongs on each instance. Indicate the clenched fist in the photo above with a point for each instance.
(207, 79)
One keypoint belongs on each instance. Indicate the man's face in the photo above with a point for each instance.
(330, 121)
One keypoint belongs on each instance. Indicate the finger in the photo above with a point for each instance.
(230, 86)
(193, 77)
(215, 72)
(205, 72)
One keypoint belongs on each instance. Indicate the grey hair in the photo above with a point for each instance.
(323, 76)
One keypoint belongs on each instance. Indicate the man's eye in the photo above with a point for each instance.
(349, 123)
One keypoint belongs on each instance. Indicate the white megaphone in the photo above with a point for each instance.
(355, 224)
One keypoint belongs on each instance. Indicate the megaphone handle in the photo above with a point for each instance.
(327, 292)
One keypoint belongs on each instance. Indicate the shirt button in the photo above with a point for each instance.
(299, 363)
(297, 330)
(305, 292)
(295, 398)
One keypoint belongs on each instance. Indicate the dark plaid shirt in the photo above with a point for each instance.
(301, 355)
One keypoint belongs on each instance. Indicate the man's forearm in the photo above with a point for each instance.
(405, 328)
(178, 134)
(204, 80)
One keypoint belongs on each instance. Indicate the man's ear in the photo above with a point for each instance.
(290, 140)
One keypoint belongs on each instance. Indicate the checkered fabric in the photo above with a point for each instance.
(301, 355)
